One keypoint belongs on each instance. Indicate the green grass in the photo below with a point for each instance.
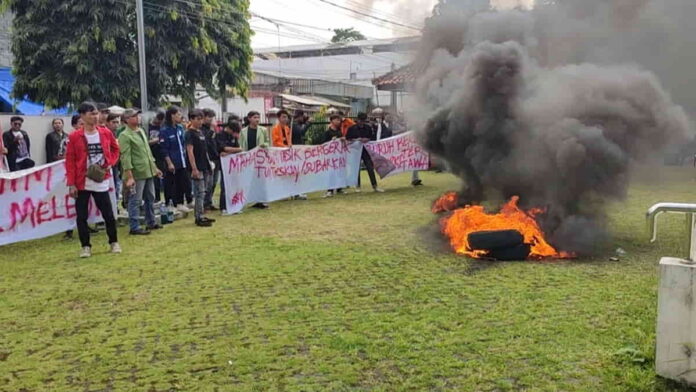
(342, 294)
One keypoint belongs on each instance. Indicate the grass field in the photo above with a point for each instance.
(343, 294)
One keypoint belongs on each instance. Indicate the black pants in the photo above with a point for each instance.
(223, 197)
(367, 160)
(177, 185)
(25, 164)
(103, 202)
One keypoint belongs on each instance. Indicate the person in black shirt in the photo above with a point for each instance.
(333, 131)
(18, 146)
(198, 164)
(210, 133)
(300, 124)
(153, 139)
(364, 132)
(56, 142)
(228, 143)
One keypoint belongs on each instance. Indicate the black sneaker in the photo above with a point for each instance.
(211, 208)
(92, 230)
(417, 183)
(68, 235)
(202, 223)
(206, 219)
(139, 232)
(261, 206)
(155, 227)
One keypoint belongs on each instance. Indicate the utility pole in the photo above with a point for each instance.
(141, 56)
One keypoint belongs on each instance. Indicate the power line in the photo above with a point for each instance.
(279, 21)
(299, 34)
(370, 15)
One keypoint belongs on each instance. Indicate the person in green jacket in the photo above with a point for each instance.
(139, 171)
(254, 136)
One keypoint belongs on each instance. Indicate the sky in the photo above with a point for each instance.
(311, 21)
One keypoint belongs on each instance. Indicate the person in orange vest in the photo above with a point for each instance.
(345, 123)
(281, 135)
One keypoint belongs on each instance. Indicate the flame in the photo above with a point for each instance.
(471, 219)
(447, 202)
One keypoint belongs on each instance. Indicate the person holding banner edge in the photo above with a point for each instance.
(252, 136)
(91, 152)
(362, 131)
(333, 131)
(228, 143)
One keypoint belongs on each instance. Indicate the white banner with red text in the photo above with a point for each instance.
(268, 174)
(35, 203)
(398, 154)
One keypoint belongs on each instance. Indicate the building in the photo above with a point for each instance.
(338, 72)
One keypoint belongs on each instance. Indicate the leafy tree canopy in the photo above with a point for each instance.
(92, 52)
(347, 35)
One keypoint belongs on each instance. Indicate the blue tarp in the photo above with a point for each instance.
(22, 106)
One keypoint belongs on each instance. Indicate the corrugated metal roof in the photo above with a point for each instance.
(359, 44)
(313, 100)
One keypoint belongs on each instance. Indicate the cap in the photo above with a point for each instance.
(128, 113)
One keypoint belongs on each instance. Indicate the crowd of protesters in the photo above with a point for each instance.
(175, 156)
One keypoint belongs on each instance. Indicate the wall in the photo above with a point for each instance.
(37, 127)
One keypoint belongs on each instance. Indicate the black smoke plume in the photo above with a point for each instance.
(512, 114)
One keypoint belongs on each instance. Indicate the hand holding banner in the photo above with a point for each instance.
(398, 154)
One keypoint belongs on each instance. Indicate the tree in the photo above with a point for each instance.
(93, 55)
(347, 35)
(86, 55)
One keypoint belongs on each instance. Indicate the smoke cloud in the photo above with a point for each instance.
(555, 104)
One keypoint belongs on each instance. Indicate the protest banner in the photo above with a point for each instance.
(398, 154)
(269, 174)
(35, 203)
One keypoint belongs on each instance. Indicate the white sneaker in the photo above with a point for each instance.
(358, 190)
(301, 196)
(191, 205)
(86, 252)
(328, 194)
(183, 208)
(379, 190)
(116, 248)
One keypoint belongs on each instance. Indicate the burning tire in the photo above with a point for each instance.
(502, 245)
(519, 252)
(492, 240)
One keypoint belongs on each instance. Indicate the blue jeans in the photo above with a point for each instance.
(199, 191)
(144, 190)
(211, 182)
(117, 181)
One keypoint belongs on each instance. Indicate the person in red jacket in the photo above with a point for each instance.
(90, 145)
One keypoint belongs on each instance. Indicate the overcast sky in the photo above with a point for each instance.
(323, 17)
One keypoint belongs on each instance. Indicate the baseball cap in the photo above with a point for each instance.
(128, 113)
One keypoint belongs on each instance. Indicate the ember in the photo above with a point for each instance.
(473, 219)
(447, 202)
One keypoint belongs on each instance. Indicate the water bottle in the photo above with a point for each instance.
(164, 219)
(170, 212)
